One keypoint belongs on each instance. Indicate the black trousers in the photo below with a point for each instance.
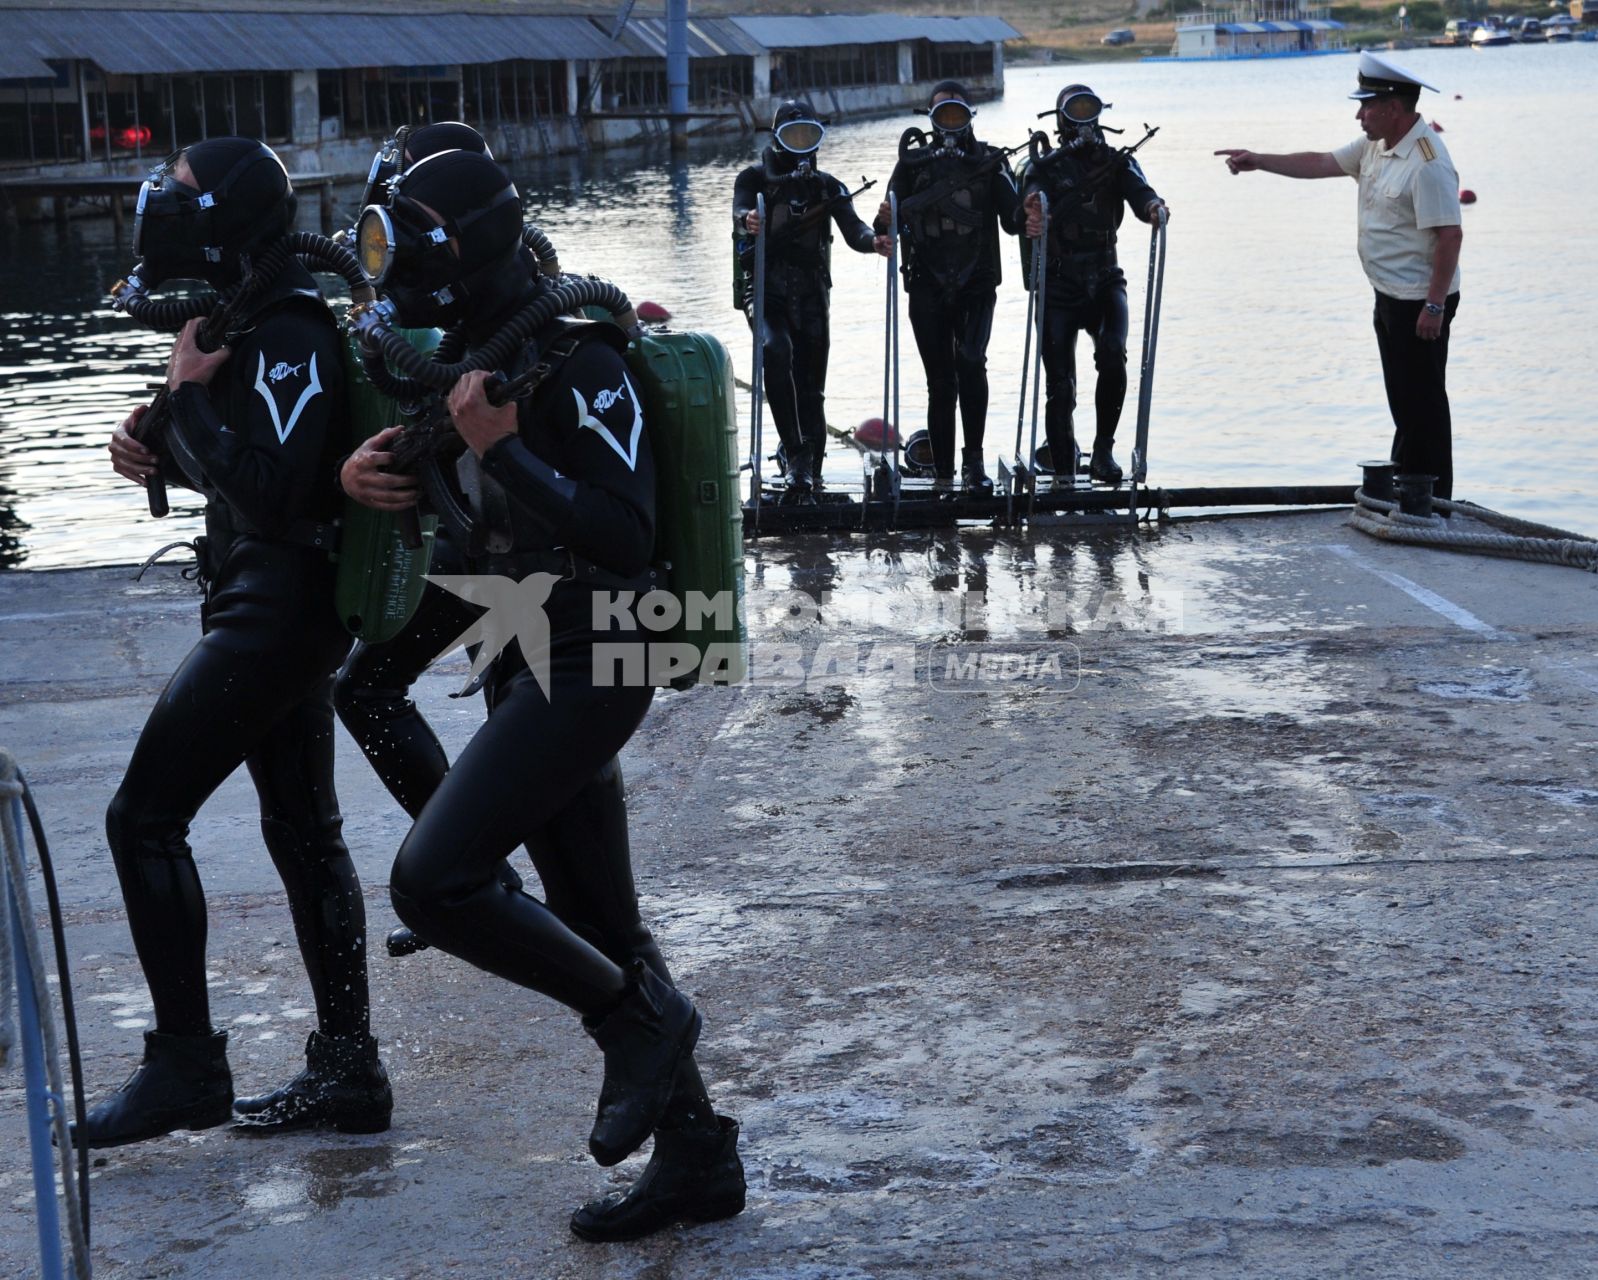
(1086, 294)
(539, 753)
(952, 332)
(796, 343)
(1417, 391)
(256, 690)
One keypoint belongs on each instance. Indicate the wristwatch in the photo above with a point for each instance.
(1434, 309)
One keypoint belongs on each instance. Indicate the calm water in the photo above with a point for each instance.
(1267, 372)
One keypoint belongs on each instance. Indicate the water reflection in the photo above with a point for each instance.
(1267, 368)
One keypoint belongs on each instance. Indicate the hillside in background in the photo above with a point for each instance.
(1073, 29)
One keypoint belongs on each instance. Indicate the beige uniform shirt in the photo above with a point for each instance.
(1404, 195)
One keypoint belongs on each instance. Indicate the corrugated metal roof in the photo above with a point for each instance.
(16, 63)
(809, 32)
(1276, 28)
(707, 38)
(150, 42)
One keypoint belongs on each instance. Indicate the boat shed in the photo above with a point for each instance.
(91, 88)
(1257, 29)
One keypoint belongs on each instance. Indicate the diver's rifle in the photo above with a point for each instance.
(939, 191)
(810, 218)
(429, 440)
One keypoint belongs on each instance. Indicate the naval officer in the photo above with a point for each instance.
(1409, 239)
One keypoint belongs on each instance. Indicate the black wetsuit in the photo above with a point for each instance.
(1088, 193)
(950, 247)
(798, 288)
(544, 751)
(260, 442)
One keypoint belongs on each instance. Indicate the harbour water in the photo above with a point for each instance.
(1267, 368)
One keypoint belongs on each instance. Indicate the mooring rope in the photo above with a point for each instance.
(14, 883)
(1513, 538)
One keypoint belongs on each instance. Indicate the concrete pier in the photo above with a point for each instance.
(1243, 929)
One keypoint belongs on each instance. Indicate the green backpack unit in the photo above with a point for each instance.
(380, 580)
(686, 383)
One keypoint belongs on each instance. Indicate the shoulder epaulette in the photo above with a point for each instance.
(1426, 148)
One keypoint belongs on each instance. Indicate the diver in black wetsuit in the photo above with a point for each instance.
(1090, 185)
(254, 426)
(954, 196)
(798, 281)
(565, 485)
(372, 692)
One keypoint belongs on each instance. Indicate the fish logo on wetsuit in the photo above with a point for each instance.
(278, 372)
(603, 402)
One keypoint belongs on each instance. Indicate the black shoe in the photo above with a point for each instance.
(693, 1175)
(800, 490)
(343, 1087)
(1103, 466)
(1059, 461)
(183, 1083)
(973, 475)
(404, 942)
(643, 1038)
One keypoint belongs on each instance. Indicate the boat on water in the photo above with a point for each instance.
(1256, 29)
(1490, 34)
(1532, 32)
(1560, 29)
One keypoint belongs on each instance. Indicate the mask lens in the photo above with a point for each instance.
(800, 136)
(1081, 108)
(374, 244)
(951, 115)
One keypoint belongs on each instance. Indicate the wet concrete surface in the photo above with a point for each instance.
(1247, 931)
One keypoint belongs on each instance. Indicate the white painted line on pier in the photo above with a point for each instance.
(1457, 614)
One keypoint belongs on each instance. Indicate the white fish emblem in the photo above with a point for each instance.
(283, 369)
(604, 400)
(312, 388)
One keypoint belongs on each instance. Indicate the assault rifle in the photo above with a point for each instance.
(810, 218)
(429, 441)
(939, 191)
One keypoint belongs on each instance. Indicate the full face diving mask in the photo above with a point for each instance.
(1077, 117)
(801, 138)
(951, 121)
(408, 254)
(181, 232)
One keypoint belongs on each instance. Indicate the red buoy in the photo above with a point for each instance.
(1467, 196)
(1436, 128)
(1459, 97)
(873, 433)
(652, 311)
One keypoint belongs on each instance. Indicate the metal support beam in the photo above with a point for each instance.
(677, 72)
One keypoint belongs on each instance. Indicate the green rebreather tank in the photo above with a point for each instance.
(689, 407)
(380, 579)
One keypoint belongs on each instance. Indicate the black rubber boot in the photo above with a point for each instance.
(1103, 466)
(643, 1038)
(183, 1083)
(1062, 457)
(801, 483)
(343, 1087)
(404, 942)
(693, 1175)
(973, 475)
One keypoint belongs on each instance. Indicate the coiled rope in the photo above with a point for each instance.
(1512, 538)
